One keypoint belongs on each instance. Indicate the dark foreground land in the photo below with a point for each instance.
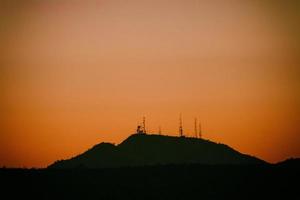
(279, 181)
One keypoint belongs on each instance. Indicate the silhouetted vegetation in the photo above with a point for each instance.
(156, 182)
(155, 167)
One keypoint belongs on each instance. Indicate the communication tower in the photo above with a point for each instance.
(200, 130)
(196, 127)
(180, 126)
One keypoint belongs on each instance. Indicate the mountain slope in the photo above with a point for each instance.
(142, 150)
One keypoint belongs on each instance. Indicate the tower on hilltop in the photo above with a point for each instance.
(180, 126)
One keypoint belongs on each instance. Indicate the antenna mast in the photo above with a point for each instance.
(196, 128)
(139, 129)
(180, 126)
(159, 130)
(200, 130)
(144, 125)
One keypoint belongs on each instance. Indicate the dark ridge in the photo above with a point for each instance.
(291, 162)
(180, 181)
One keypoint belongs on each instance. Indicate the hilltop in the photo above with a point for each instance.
(149, 150)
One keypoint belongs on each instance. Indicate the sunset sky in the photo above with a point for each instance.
(77, 73)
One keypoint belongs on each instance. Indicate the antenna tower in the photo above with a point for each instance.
(180, 126)
(196, 128)
(144, 124)
(200, 130)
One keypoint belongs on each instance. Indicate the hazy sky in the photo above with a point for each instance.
(76, 73)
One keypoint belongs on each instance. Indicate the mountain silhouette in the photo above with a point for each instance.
(148, 150)
(291, 162)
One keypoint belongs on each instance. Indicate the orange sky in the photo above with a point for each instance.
(76, 73)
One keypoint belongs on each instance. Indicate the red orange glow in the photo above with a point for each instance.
(77, 73)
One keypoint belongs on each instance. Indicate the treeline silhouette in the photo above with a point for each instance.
(194, 181)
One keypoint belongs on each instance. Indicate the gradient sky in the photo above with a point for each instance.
(77, 73)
